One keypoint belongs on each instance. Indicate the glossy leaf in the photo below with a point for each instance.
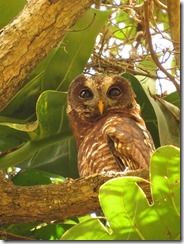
(50, 130)
(60, 158)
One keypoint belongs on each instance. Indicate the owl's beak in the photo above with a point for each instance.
(101, 106)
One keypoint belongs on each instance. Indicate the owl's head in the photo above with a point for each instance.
(92, 97)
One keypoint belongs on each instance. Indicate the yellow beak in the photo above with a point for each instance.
(101, 106)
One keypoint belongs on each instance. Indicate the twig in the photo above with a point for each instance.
(9, 236)
(160, 4)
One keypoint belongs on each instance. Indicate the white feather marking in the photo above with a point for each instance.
(102, 146)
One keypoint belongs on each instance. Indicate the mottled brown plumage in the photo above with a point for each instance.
(106, 122)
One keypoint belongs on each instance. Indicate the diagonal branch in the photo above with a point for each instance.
(30, 37)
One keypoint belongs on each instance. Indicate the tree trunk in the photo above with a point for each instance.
(30, 37)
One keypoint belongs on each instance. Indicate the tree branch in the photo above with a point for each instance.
(30, 37)
(55, 202)
(174, 23)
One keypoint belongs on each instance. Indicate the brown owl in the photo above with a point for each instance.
(106, 122)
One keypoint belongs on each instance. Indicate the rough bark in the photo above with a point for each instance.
(55, 202)
(28, 39)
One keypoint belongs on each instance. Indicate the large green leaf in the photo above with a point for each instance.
(127, 210)
(50, 129)
(61, 66)
(60, 158)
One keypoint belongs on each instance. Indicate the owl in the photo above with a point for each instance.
(105, 118)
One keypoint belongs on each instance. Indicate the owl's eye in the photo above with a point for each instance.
(86, 93)
(114, 92)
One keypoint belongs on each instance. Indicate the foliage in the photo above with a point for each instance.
(35, 135)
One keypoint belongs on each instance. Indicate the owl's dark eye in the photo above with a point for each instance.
(114, 92)
(85, 93)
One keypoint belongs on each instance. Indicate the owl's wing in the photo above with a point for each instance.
(130, 143)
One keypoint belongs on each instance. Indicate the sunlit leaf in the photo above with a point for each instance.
(127, 210)
(91, 229)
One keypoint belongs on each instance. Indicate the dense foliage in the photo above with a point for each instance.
(36, 142)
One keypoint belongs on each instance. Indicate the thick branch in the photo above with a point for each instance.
(29, 38)
(54, 202)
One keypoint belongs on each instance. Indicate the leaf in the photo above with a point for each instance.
(38, 231)
(173, 98)
(10, 138)
(128, 211)
(129, 29)
(35, 177)
(148, 65)
(165, 178)
(168, 125)
(22, 127)
(60, 158)
(51, 128)
(74, 51)
(50, 232)
(50, 111)
(90, 229)
(172, 117)
(31, 178)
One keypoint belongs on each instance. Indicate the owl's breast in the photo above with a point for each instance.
(94, 155)
(114, 143)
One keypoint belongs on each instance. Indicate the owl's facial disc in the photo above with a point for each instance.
(99, 95)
